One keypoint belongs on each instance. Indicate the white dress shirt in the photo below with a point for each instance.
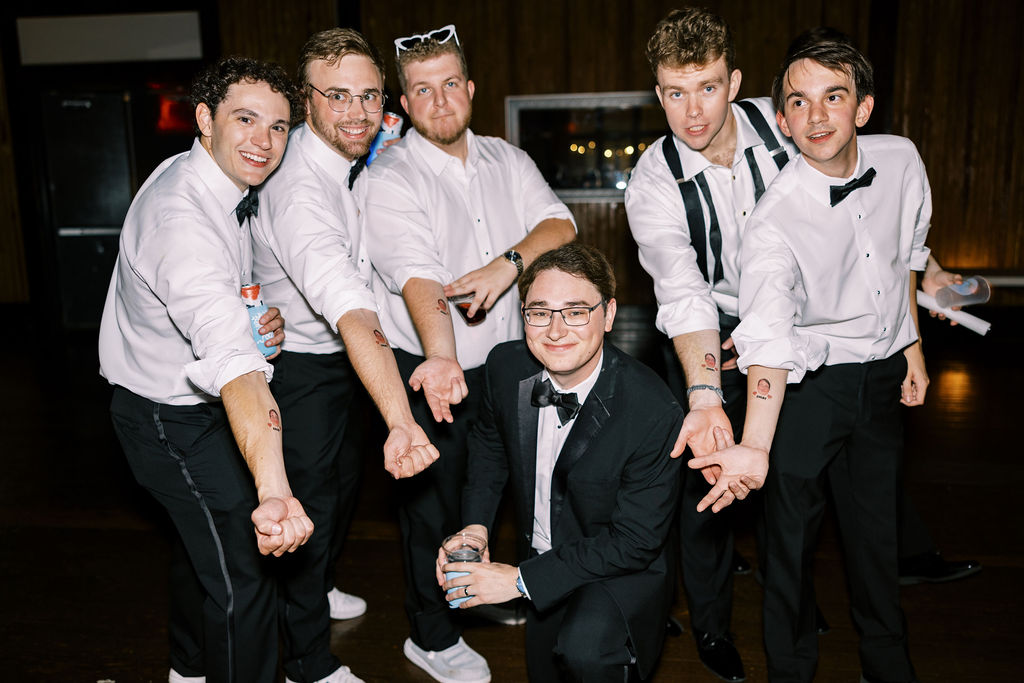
(428, 216)
(174, 327)
(308, 250)
(551, 436)
(657, 219)
(824, 284)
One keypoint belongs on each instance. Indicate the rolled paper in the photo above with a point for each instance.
(971, 322)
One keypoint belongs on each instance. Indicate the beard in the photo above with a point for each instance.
(350, 149)
(446, 133)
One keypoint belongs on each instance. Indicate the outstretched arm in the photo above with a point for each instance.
(281, 523)
(407, 450)
(440, 375)
(745, 465)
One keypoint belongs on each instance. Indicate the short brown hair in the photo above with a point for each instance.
(210, 86)
(576, 259)
(832, 49)
(333, 44)
(426, 49)
(690, 36)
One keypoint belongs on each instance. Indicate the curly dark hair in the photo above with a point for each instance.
(210, 87)
(690, 36)
(832, 49)
(576, 259)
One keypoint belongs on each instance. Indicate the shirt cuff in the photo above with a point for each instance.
(522, 584)
(211, 374)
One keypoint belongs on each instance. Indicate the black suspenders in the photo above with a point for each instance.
(689, 188)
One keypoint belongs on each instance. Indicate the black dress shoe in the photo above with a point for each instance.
(932, 568)
(821, 626)
(740, 566)
(719, 655)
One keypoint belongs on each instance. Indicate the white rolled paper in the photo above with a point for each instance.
(971, 322)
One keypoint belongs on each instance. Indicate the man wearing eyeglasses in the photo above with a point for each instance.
(311, 257)
(582, 432)
(448, 213)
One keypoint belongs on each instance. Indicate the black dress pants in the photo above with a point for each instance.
(431, 509)
(313, 392)
(585, 639)
(841, 427)
(186, 457)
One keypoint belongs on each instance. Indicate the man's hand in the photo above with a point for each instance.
(698, 433)
(915, 384)
(729, 345)
(281, 525)
(272, 321)
(488, 283)
(442, 558)
(487, 583)
(744, 469)
(408, 451)
(443, 385)
(934, 279)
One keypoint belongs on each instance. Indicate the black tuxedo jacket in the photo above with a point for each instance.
(613, 493)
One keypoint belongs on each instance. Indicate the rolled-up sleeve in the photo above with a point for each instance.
(771, 294)
(400, 241)
(656, 219)
(318, 257)
(203, 301)
(538, 199)
(922, 216)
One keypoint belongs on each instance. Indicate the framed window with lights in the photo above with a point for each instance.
(585, 144)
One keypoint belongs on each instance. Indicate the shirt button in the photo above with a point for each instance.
(877, 292)
(884, 329)
(867, 255)
(744, 213)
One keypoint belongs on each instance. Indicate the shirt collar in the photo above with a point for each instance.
(582, 390)
(221, 186)
(322, 154)
(437, 159)
(817, 184)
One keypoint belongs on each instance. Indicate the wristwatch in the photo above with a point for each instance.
(516, 260)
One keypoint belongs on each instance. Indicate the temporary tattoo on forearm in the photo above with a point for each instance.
(442, 306)
(275, 421)
(710, 362)
(763, 391)
(380, 338)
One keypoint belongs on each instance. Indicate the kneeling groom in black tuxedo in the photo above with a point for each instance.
(583, 432)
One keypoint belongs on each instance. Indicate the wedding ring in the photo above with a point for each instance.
(465, 590)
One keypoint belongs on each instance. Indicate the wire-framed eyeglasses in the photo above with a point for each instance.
(574, 316)
(340, 100)
(441, 35)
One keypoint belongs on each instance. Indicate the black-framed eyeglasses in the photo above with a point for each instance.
(574, 316)
(340, 100)
(441, 35)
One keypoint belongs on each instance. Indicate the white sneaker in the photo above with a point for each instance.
(457, 664)
(341, 675)
(345, 606)
(175, 677)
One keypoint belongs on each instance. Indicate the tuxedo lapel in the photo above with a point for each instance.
(527, 422)
(593, 414)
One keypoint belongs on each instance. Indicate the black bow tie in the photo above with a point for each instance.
(356, 169)
(838, 192)
(568, 405)
(249, 206)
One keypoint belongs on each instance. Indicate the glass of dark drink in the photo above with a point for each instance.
(462, 302)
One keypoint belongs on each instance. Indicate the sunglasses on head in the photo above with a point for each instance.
(440, 35)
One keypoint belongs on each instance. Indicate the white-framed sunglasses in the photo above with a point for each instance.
(440, 35)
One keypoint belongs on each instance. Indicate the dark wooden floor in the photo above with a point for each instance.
(84, 550)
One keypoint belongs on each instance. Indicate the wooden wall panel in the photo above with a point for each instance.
(958, 85)
(270, 30)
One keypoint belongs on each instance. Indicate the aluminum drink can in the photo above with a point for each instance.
(390, 128)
